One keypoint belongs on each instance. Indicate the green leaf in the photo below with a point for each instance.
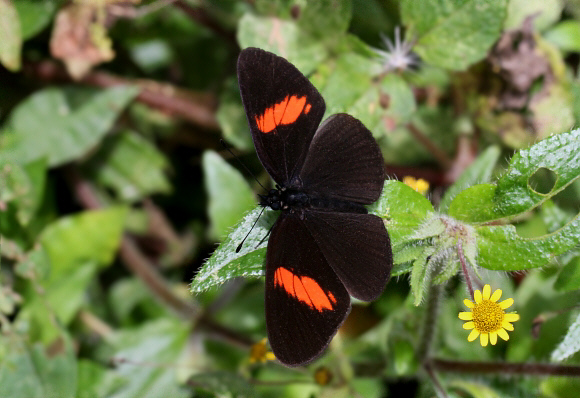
(10, 36)
(569, 277)
(224, 384)
(143, 355)
(571, 343)
(91, 236)
(419, 280)
(403, 210)
(230, 196)
(477, 173)
(24, 185)
(326, 19)
(454, 34)
(225, 263)
(513, 193)
(34, 15)
(232, 117)
(544, 12)
(72, 122)
(284, 38)
(402, 103)
(498, 244)
(565, 35)
(131, 166)
(95, 380)
(29, 371)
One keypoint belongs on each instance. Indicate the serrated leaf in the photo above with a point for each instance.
(225, 263)
(406, 253)
(224, 384)
(91, 236)
(478, 172)
(29, 371)
(283, 38)
(10, 36)
(403, 209)
(569, 277)
(513, 194)
(230, 196)
(501, 248)
(456, 34)
(72, 122)
(571, 343)
(131, 166)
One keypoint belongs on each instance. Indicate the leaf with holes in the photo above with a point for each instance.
(513, 194)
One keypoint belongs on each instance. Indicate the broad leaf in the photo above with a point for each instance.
(224, 384)
(454, 34)
(131, 166)
(64, 125)
(34, 15)
(230, 196)
(29, 371)
(403, 210)
(571, 343)
(225, 263)
(543, 12)
(477, 173)
(565, 35)
(92, 236)
(10, 36)
(569, 277)
(513, 193)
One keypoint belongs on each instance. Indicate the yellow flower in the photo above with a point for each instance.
(419, 185)
(487, 317)
(259, 352)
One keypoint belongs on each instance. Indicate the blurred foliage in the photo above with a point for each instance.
(115, 190)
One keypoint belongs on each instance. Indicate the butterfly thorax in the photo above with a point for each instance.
(295, 200)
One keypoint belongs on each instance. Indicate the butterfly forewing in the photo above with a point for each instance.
(305, 301)
(344, 162)
(283, 109)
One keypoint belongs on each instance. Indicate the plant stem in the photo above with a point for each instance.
(537, 369)
(429, 322)
(464, 268)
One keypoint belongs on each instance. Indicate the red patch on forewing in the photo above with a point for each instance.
(304, 289)
(285, 112)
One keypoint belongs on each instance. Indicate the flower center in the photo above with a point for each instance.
(487, 316)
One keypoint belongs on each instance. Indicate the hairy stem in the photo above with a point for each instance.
(536, 369)
(464, 269)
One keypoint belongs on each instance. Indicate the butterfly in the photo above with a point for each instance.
(324, 247)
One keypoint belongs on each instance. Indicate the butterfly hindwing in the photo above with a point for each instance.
(305, 301)
(283, 110)
(344, 162)
(357, 248)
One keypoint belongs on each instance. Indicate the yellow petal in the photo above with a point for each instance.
(506, 325)
(477, 296)
(483, 339)
(270, 356)
(486, 292)
(496, 295)
(473, 335)
(493, 338)
(466, 316)
(503, 334)
(468, 303)
(511, 317)
(468, 325)
(506, 303)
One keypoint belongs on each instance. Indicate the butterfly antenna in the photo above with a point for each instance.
(227, 148)
(248, 234)
(265, 237)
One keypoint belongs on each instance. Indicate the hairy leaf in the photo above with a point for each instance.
(571, 343)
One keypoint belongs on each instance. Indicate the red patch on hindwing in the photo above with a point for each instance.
(285, 112)
(304, 289)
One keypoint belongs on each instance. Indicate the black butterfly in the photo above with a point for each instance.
(324, 246)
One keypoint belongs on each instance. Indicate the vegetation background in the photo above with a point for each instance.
(114, 190)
